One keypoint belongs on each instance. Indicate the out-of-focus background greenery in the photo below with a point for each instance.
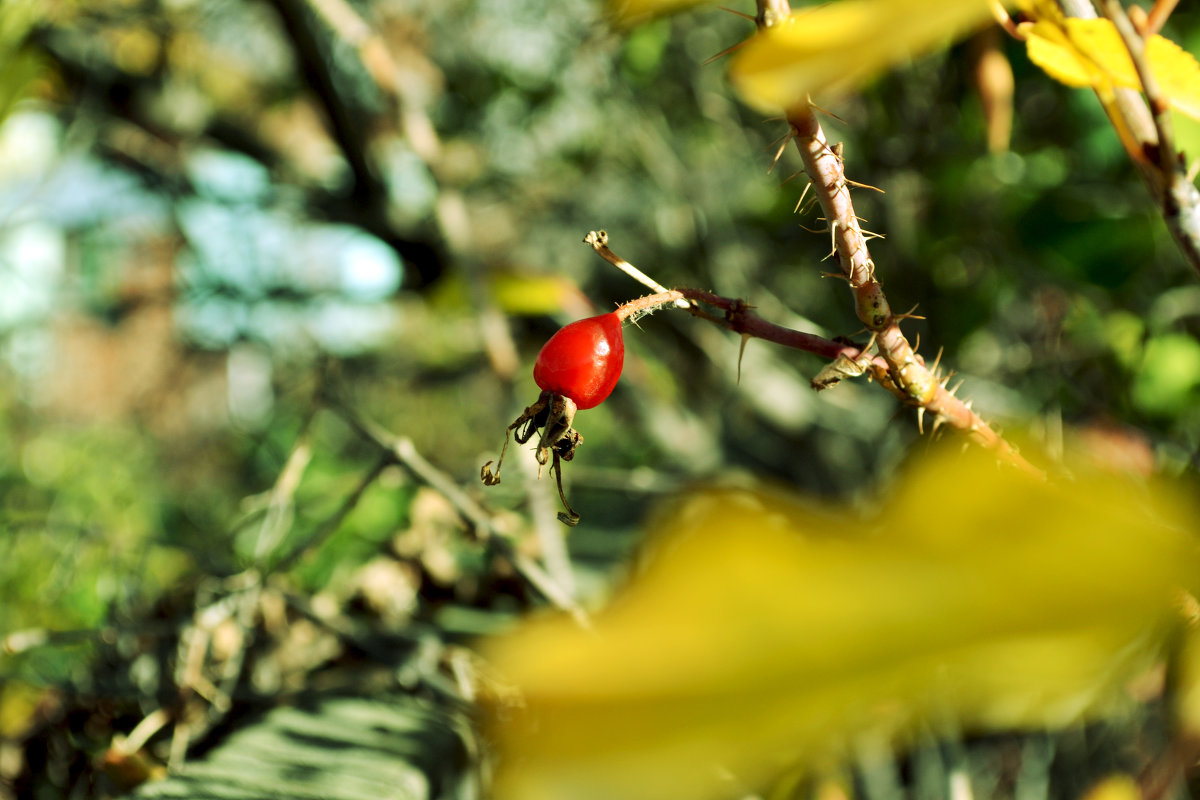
(233, 232)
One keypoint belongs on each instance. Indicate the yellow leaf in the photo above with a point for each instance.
(837, 47)
(1177, 73)
(765, 636)
(516, 293)
(1116, 787)
(18, 708)
(1090, 52)
(627, 13)
(1040, 9)
(1186, 706)
(529, 294)
(1051, 49)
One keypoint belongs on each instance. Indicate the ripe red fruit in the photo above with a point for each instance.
(583, 360)
(577, 368)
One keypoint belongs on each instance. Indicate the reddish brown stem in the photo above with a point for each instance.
(740, 318)
(907, 376)
(1158, 16)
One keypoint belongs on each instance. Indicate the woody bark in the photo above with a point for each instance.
(907, 375)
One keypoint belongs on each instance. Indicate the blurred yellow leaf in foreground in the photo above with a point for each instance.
(837, 47)
(764, 635)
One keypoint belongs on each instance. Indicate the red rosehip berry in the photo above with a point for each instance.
(577, 368)
(583, 360)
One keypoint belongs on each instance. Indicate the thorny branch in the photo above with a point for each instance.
(897, 367)
(907, 376)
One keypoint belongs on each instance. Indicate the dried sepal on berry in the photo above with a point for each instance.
(553, 415)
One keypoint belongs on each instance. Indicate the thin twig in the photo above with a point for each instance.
(401, 450)
(599, 242)
(334, 521)
(1159, 109)
(279, 514)
(1158, 16)
(1000, 13)
(551, 534)
(739, 317)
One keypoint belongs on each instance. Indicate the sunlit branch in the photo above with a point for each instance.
(1159, 108)
(906, 374)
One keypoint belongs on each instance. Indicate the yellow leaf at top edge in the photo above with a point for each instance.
(1062, 58)
(1090, 52)
(837, 47)
(1177, 73)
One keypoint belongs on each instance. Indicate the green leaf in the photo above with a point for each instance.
(1169, 374)
(336, 748)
